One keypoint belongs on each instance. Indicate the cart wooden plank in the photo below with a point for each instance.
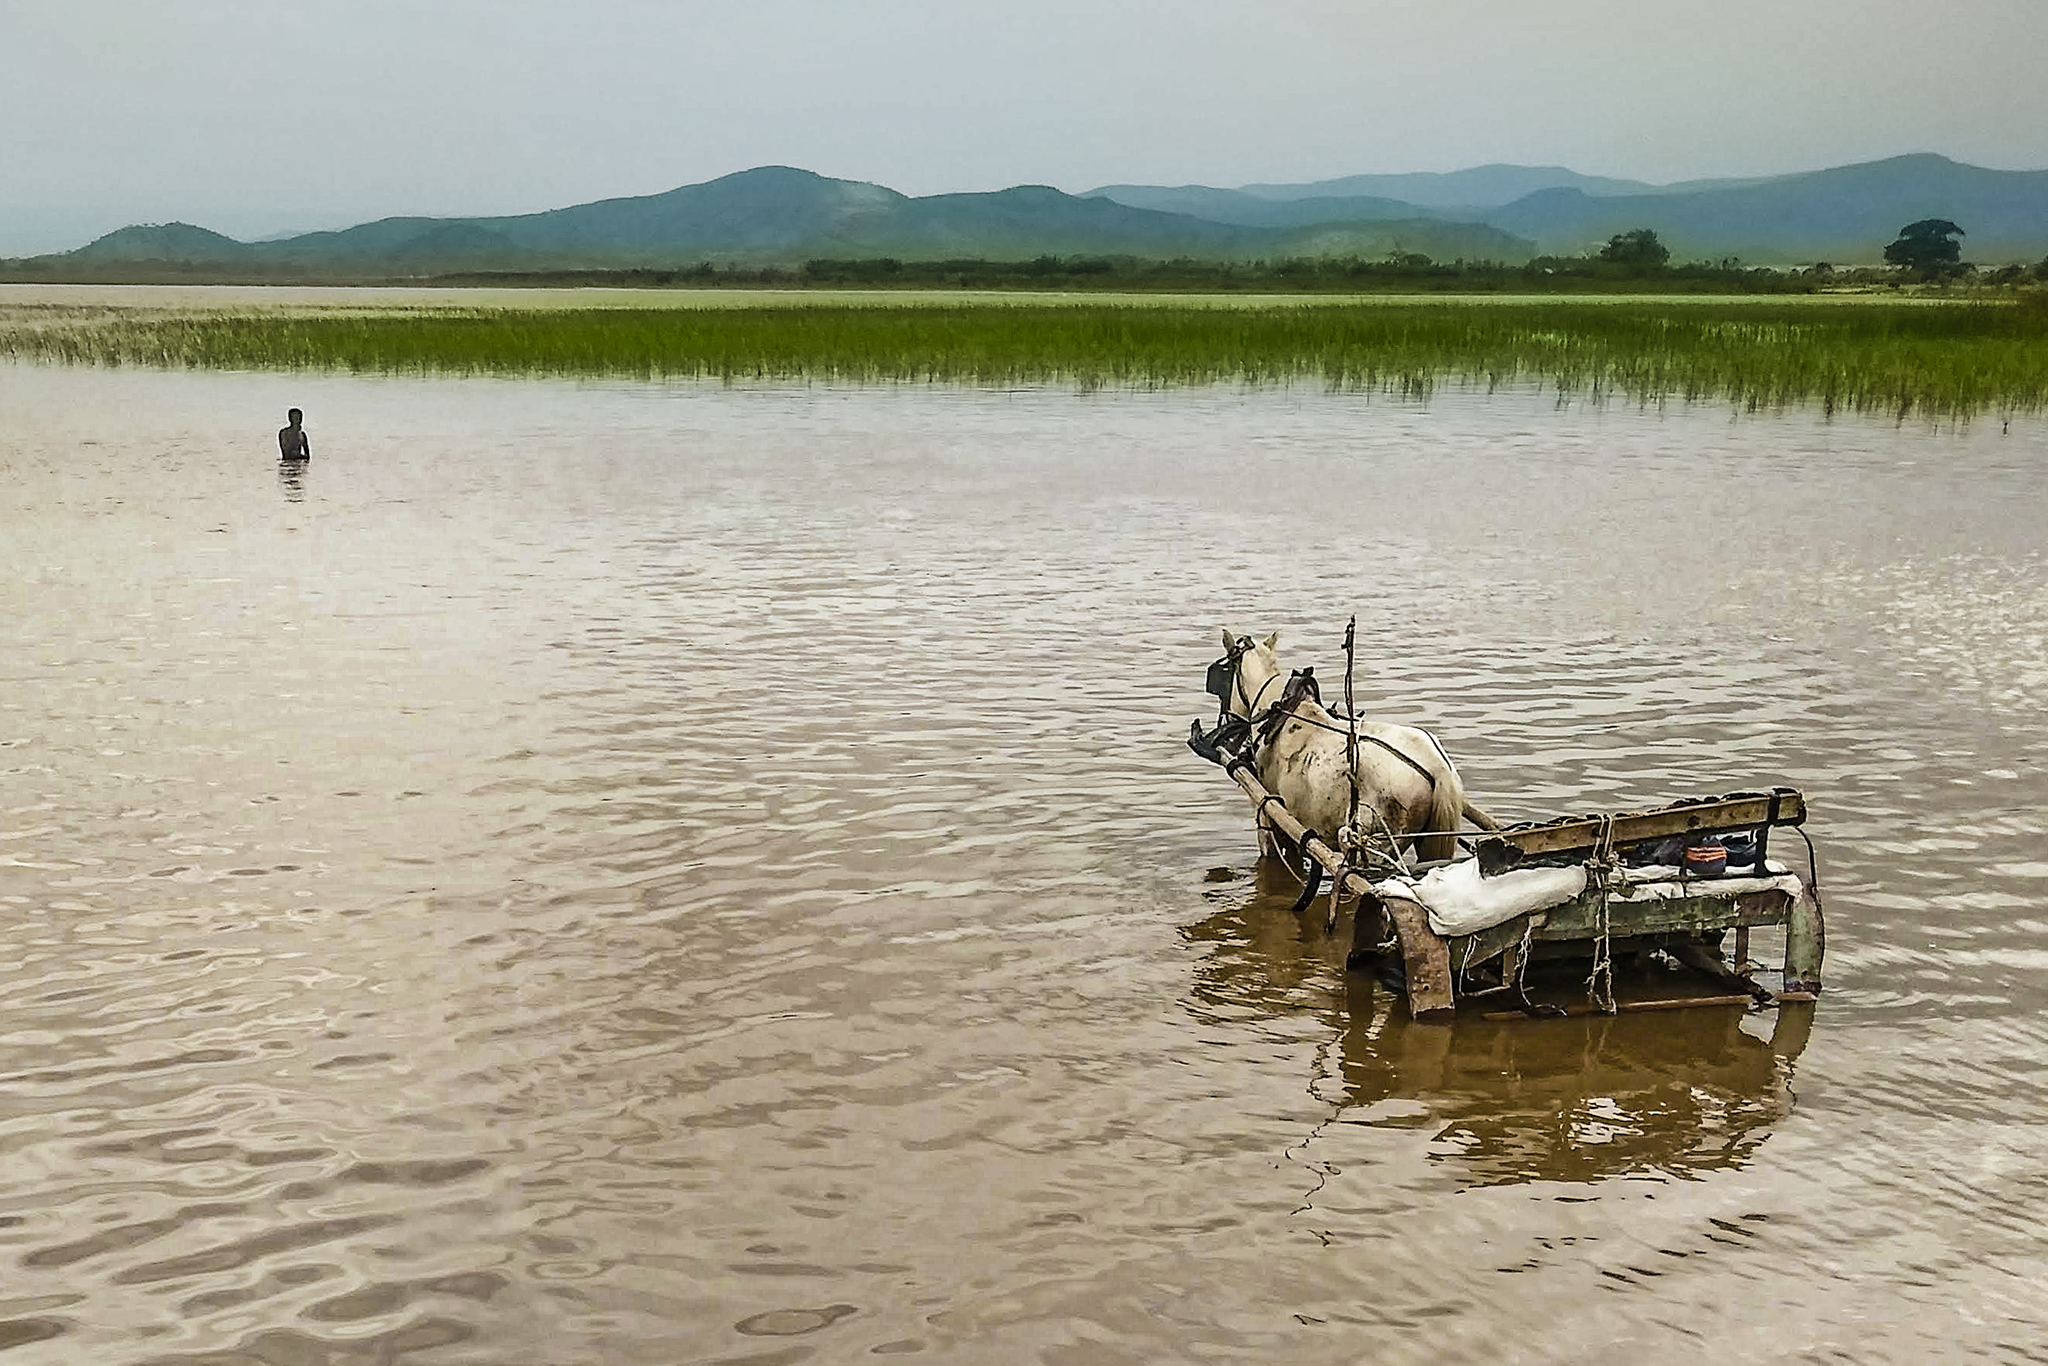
(1579, 919)
(1708, 816)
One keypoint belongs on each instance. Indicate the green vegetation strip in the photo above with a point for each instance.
(1947, 360)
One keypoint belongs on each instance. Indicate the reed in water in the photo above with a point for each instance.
(1945, 360)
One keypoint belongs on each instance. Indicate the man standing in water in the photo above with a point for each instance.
(291, 441)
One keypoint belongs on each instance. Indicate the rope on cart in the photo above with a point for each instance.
(1372, 854)
(1521, 982)
(1599, 869)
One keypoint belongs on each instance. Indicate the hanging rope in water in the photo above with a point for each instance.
(1600, 870)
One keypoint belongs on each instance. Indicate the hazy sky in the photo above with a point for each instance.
(255, 116)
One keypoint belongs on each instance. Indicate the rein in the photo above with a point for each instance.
(1251, 704)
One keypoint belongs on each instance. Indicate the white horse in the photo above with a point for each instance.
(1406, 783)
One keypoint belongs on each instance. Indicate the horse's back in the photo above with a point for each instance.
(1411, 742)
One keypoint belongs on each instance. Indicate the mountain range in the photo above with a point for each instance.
(778, 215)
(1843, 215)
(771, 215)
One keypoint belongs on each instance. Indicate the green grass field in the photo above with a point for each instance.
(1896, 357)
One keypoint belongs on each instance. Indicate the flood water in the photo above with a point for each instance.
(635, 873)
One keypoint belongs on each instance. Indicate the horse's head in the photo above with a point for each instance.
(1244, 678)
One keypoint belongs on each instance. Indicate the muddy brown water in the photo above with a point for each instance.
(641, 873)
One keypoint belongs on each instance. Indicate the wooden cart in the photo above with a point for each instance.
(1691, 926)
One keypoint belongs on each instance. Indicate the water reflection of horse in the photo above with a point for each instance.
(1505, 1102)
(1407, 785)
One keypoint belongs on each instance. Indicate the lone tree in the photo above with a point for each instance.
(1638, 249)
(1928, 247)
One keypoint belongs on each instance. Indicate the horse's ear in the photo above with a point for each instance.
(1228, 639)
(1272, 643)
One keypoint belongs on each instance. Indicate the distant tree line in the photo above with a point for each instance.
(1398, 272)
(1630, 262)
(1637, 261)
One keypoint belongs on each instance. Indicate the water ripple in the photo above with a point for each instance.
(594, 867)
